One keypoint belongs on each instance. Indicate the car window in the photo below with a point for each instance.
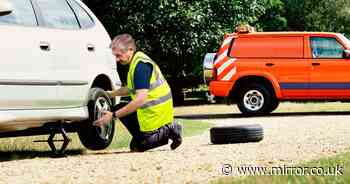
(276, 46)
(22, 14)
(323, 47)
(83, 17)
(58, 14)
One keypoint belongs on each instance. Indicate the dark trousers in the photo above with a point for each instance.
(142, 141)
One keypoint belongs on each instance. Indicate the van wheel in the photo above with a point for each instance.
(92, 137)
(255, 99)
(274, 105)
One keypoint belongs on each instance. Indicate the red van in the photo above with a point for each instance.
(260, 69)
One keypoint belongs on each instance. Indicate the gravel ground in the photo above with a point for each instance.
(288, 140)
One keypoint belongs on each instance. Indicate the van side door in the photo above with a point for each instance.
(278, 57)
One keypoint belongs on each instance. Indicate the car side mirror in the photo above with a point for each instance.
(346, 54)
(5, 7)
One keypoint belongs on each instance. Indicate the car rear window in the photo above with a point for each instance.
(83, 17)
(22, 14)
(268, 47)
(58, 14)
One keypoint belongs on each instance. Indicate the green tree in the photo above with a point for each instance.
(294, 12)
(318, 15)
(328, 15)
(273, 19)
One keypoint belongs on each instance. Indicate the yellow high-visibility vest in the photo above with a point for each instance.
(158, 109)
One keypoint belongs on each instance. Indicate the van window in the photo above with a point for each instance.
(323, 47)
(83, 17)
(58, 14)
(268, 47)
(23, 14)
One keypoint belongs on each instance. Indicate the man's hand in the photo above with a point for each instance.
(105, 119)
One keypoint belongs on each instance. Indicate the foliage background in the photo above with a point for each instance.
(178, 33)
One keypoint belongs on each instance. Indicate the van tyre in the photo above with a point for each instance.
(93, 137)
(236, 134)
(256, 99)
(274, 105)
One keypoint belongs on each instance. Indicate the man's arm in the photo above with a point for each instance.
(143, 73)
(140, 99)
(123, 91)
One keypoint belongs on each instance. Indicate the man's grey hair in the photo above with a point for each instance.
(123, 42)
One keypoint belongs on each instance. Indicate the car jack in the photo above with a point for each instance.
(50, 140)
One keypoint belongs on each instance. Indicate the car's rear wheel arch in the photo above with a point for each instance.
(255, 88)
(103, 82)
(243, 81)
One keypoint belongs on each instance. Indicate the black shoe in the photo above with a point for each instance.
(175, 135)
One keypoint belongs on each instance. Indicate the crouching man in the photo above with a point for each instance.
(149, 116)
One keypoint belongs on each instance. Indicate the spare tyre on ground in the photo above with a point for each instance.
(236, 134)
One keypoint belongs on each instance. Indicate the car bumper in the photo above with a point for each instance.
(220, 88)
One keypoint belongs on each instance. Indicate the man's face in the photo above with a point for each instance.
(122, 56)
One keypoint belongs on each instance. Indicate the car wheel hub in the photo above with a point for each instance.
(100, 106)
(253, 100)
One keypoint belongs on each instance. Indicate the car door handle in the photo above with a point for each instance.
(269, 64)
(45, 46)
(90, 47)
(316, 64)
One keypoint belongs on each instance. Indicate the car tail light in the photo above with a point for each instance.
(208, 67)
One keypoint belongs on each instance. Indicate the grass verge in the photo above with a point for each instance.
(24, 148)
(328, 164)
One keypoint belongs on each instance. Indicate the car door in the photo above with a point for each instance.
(329, 76)
(26, 62)
(289, 66)
(69, 49)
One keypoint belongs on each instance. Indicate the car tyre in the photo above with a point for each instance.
(274, 105)
(236, 134)
(93, 137)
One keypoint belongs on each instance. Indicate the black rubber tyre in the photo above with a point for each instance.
(236, 134)
(256, 99)
(274, 105)
(92, 137)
